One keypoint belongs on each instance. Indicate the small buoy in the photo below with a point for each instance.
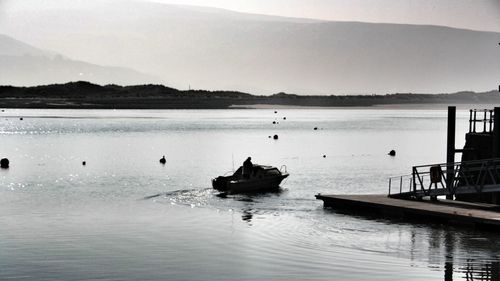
(275, 137)
(315, 128)
(84, 163)
(392, 153)
(4, 163)
(284, 118)
(274, 122)
(324, 156)
(269, 137)
(163, 160)
(21, 118)
(275, 111)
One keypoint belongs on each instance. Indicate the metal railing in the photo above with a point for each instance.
(448, 179)
(486, 118)
(403, 184)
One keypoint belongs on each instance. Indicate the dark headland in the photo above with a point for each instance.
(87, 95)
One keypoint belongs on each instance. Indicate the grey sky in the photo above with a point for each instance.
(198, 46)
(471, 14)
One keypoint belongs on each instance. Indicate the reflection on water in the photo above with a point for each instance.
(124, 216)
(458, 252)
(474, 271)
(461, 254)
(468, 268)
(247, 215)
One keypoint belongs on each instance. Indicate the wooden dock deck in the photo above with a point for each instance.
(448, 211)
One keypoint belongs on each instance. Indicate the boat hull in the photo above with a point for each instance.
(247, 186)
(228, 185)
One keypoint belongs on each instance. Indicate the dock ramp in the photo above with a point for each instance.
(447, 179)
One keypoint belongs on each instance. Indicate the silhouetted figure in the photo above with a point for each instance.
(324, 156)
(84, 163)
(247, 168)
(315, 128)
(4, 163)
(275, 112)
(275, 137)
(284, 118)
(274, 122)
(21, 118)
(392, 152)
(163, 160)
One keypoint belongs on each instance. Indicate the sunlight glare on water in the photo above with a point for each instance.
(124, 216)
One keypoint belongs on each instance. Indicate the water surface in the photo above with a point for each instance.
(124, 216)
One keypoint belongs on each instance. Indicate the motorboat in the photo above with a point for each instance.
(262, 178)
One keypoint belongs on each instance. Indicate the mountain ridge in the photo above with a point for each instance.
(23, 64)
(213, 51)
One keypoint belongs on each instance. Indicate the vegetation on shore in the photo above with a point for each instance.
(87, 95)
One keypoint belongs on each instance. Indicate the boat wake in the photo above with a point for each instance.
(276, 202)
(185, 197)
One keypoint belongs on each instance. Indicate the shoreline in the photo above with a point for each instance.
(416, 106)
(84, 95)
(423, 106)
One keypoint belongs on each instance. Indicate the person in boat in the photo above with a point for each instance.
(247, 168)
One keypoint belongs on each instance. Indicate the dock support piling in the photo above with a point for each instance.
(450, 151)
(496, 132)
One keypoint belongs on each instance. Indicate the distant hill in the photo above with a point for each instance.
(83, 94)
(23, 64)
(208, 48)
(12, 47)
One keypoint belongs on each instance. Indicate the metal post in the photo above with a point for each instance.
(413, 172)
(484, 121)
(450, 151)
(390, 186)
(475, 119)
(491, 121)
(496, 133)
(470, 120)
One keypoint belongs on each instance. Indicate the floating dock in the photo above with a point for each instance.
(479, 215)
(476, 178)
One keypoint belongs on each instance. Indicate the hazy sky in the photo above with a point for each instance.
(273, 55)
(472, 14)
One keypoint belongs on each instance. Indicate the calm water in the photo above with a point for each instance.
(124, 216)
